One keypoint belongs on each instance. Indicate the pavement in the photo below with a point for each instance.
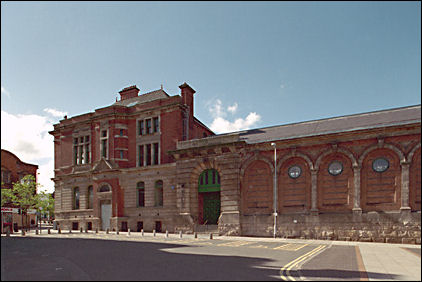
(393, 261)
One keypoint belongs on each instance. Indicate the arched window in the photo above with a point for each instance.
(90, 197)
(105, 188)
(140, 191)
(209, 178)
(159, 193)
(75, 201)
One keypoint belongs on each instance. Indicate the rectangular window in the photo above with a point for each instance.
(121, 132)
(141, 127)
(81, 154)
(156, 125)
(140, 155)
(148, 121)
(148, 162)
(141, 196)
(156, 153)
(121, 154)
(75, 198)
(86, 153)
(81, 150)
(75, 155)
(104, 148)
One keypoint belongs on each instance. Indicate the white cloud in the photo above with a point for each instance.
(27, 137)
(55, 113)
(222, 125)
(233, 108)
(5, 92)
(217, 110)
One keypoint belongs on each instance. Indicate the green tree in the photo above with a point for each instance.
(6, 196)
(24, 195)
(45, 203)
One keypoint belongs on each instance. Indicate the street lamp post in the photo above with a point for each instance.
(275, 188)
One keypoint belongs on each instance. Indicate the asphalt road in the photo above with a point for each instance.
(72, 258)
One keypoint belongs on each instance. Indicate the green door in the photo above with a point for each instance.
(211, 207)
(209, 191)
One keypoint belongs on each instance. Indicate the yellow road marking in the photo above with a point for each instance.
(290, 247)
(235, 244)
(295, 262)
(259, 246)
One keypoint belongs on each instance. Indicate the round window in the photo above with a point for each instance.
(335, 168)
(380, 165)
(295, 171)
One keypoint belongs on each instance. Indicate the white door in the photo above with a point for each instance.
(105, 216)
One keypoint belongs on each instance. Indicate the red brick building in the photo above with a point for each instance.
(112, 167)
(13, 170)
(146, 162)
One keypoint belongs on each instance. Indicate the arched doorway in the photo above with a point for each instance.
(209, 197)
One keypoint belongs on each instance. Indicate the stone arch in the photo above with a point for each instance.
(294, 154)
(381, 190)
(335, 192)
(203, 165)
(414, 157)
(334, 150)
(256, 187)
(379, 146)
(255, 157)
(412, 152)
(294, 194)
(198, 198)
(105, 187)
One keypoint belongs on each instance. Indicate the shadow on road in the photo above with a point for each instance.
(50, 259)
(335, 275)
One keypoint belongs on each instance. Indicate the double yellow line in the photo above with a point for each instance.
(285, 270)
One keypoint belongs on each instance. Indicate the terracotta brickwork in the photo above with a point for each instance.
(257, 192)
(346, 178)
(12, 171)
(106, 147)
(294, 193)
(357, 204)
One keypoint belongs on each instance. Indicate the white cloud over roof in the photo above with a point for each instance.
(222, 125)
(26, 136)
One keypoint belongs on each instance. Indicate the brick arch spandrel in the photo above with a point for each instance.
(255, 157)
(200, 167)
(257, 188)
(294, 194)
(415, 178)
(335, 193)
(332, 150)
(381, 191)
(379, 146)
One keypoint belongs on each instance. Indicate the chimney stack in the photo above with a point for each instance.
(187, 96)
(129, 92)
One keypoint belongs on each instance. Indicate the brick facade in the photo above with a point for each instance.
(13, 170)
(358, 203)
(105, 148)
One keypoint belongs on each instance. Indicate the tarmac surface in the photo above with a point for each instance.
(378, 261)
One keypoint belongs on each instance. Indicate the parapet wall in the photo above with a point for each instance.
(383, 227)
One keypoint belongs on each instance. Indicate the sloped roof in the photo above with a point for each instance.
(144, 98)
(377, 119)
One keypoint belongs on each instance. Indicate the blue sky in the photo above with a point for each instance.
(253, 64)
